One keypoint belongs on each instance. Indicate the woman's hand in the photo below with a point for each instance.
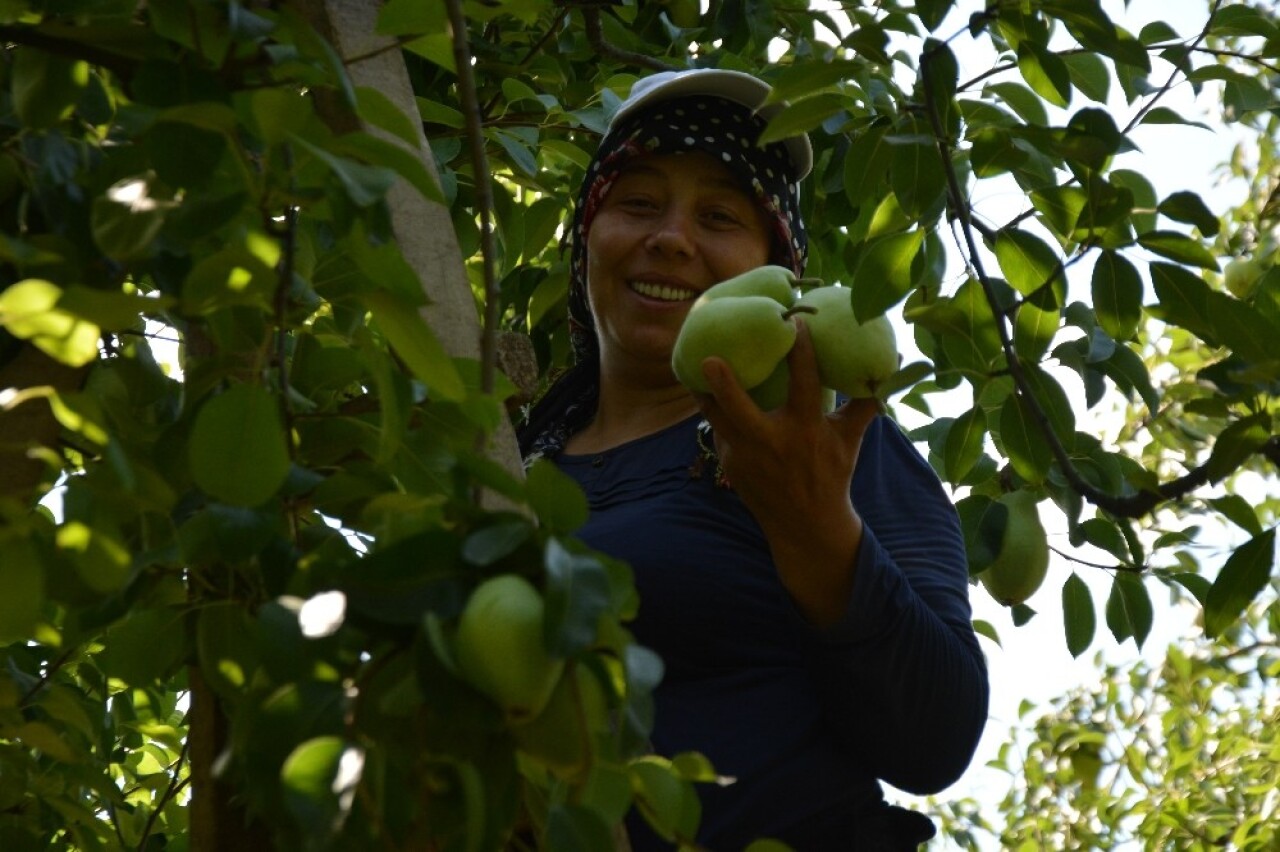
(792, 467)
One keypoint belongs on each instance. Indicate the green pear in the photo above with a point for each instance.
(560, 737)
(500, 650)
(776, 282)
(853, 358)
(1020, 567)
(1241, 276)
(772, 392)
(751, 333)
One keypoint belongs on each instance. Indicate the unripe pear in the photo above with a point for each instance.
(1019, 569)
(500, 650)
(1241, 276)
(772, 392)
(776, 282)
(751, 333)
(853, 358)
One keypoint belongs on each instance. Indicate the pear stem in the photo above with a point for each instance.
(799, 309)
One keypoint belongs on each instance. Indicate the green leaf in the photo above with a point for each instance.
(573, 828)
(237, 451)
(555, 498)
(413, 340)
(22, 577)
(279, 113)
(496, 541)
(577, 595)
(1239, 511)
(1034, 330)
(127, 218)
(1028, 263)
(1022, 100)
(1241, 579)
(1090, 75)
(1117, 295)
(883, 277)
(379, 110)
(1129, 613)
(384, 153)
(45, 86)
(994, 151)
(1190, 208)
(1164, 115)
(1078, 616)
(1045, 73)
(866, 165)
(932, 12)
(964, 443)
(916, 172)
(1236, 443)
(1178, 247)
(1183, 298)
(1024, 441)
(365, 185)
(30, 310)
(667, 801)
(987, 629)
(1238, 325)
(227, 655)
(803, 116)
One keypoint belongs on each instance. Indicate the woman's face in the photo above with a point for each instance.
(670, 227)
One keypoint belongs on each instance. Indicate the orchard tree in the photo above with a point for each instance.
(1180, 755)
(278, 277)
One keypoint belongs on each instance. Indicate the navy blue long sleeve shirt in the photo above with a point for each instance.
(807, 720)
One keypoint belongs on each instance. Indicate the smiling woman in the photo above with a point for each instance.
(800, 571)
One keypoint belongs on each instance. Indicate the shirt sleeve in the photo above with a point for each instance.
(901, 674)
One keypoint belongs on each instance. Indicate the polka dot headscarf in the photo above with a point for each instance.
(720, 127)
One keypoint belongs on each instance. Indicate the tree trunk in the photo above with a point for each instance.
(424, 230)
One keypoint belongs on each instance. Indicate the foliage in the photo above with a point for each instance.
(1179, 756)
(281, 533)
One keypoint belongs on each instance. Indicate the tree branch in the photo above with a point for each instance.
(595, 37)
(1126, 506)
(484, 188)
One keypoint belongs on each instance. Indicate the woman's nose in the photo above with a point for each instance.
(673, 234)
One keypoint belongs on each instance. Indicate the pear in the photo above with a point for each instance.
(1241, 276)
(776, 282)
(853, 358)
(751, 333)
(1020, 567)
(500, 649)
(772, 392)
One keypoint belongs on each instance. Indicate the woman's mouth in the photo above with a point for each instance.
(663, 292)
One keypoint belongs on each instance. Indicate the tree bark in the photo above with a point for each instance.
(424, 230)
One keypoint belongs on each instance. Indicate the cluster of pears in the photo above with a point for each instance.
(553, 707)
(1022, 562)
(747, 321)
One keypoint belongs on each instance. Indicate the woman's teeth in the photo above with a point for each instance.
(662, 291)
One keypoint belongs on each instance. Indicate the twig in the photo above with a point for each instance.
(484, 189)
(595, 37)
(175, 784)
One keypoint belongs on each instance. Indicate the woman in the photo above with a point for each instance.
(800, 572)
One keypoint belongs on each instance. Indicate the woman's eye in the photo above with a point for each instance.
(725, 217)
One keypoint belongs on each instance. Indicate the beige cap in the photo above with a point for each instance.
(735, 86)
